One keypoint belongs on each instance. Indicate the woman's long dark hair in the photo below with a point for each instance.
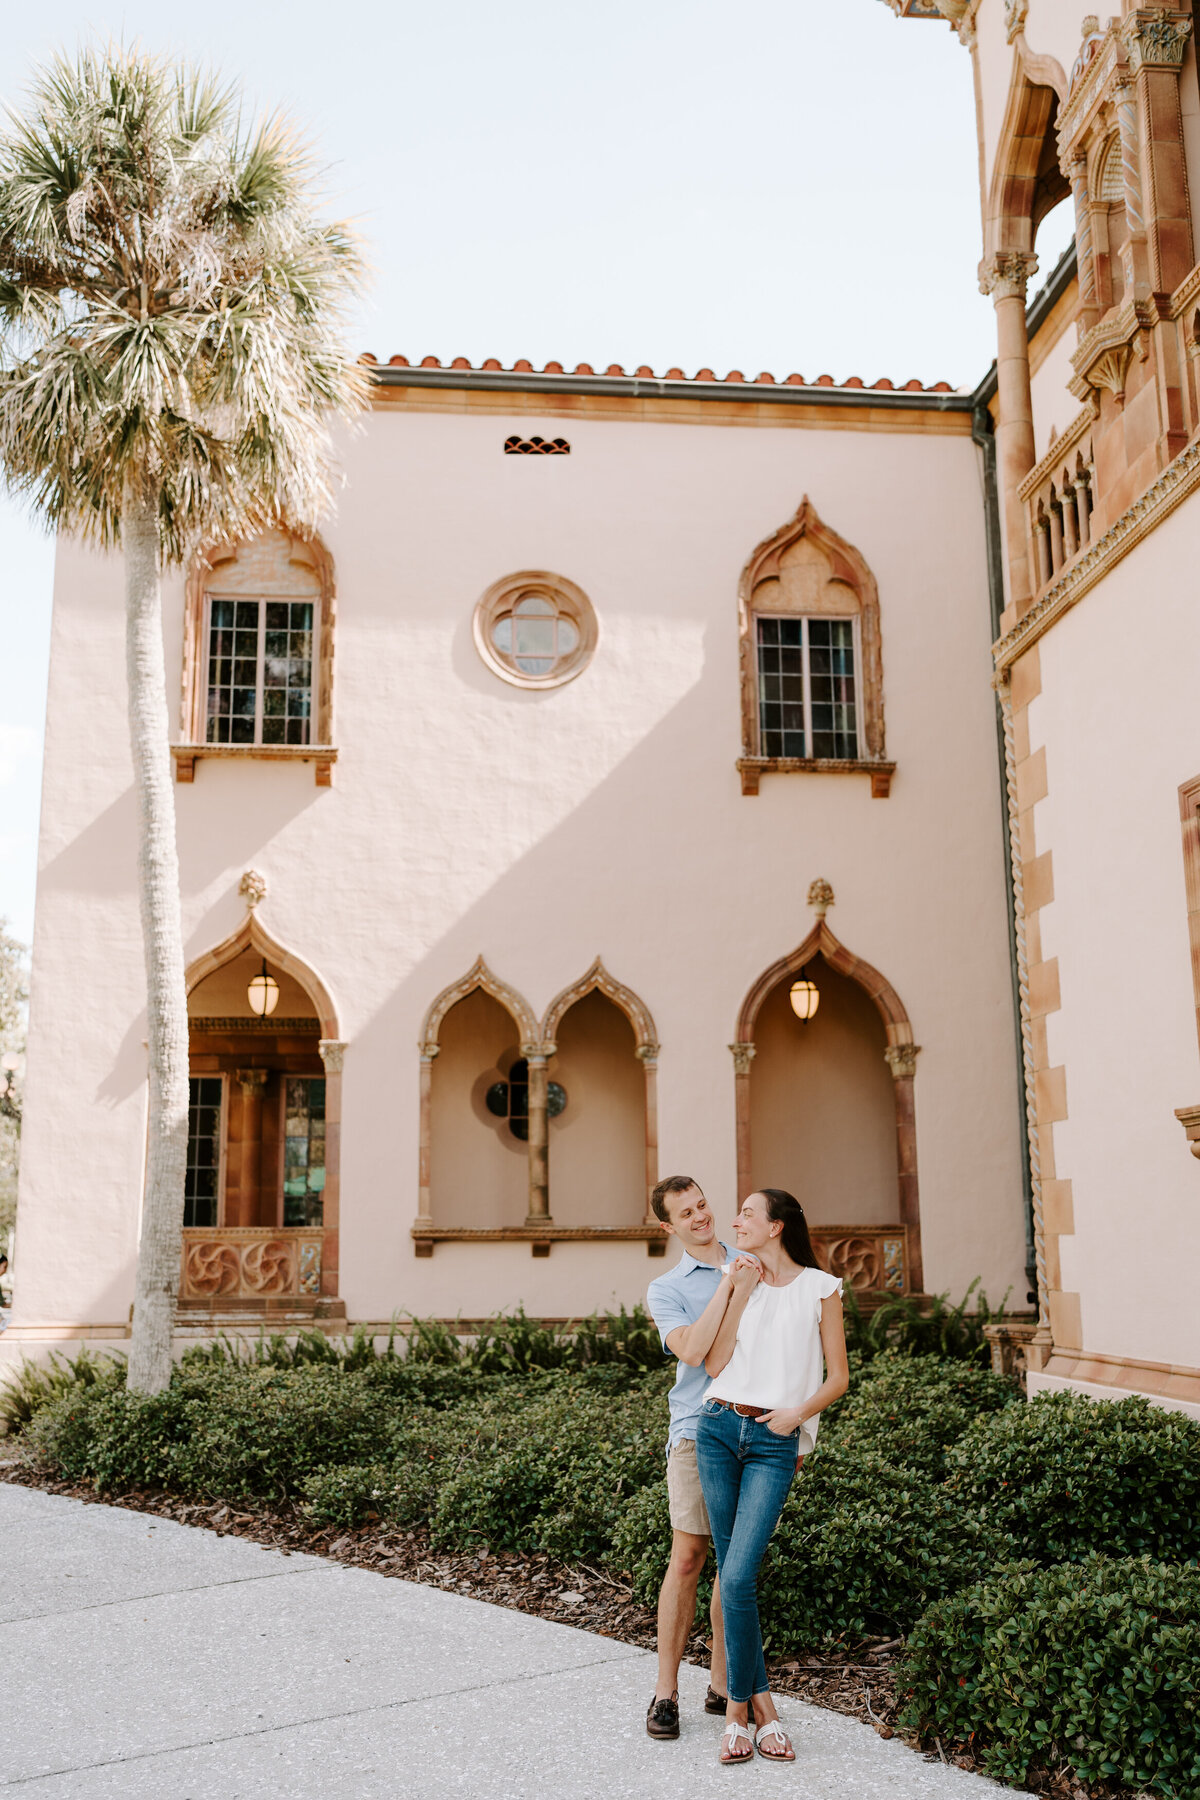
(796, 1242)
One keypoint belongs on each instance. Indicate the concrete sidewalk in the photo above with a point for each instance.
(154, 1661)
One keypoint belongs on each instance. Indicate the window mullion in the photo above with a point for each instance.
(258, 672)
(807, 678)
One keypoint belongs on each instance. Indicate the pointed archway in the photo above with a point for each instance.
(262, 1206)
(900, 1053)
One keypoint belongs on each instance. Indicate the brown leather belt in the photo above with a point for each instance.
(744, 1412)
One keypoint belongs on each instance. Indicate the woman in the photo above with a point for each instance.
(759, 1422)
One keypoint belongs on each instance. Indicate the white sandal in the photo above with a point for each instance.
(773, 1728)
(733, 1731)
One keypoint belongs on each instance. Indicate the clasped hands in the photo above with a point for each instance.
(745, 1272)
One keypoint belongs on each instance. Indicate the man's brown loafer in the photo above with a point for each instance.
(662, 1719)
(714, 1702)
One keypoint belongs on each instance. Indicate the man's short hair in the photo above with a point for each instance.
(674, 1184)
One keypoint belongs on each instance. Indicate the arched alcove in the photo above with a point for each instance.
(822, 1109)
(812, 1091)
(262, 1188)
(478, 1160)
(598, 1140)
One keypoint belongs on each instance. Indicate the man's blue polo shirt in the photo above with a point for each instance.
(678, 1298)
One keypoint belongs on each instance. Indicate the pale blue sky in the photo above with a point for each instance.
(775, 184)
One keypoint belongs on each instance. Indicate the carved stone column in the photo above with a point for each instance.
(425, 1130)
(1089, 307)
(253, 1083)
(743, 1056)
(333, 1055)
(1005, 277)
(537, 1056)
(647, 1055)
(1156, 191)
(902, 1061)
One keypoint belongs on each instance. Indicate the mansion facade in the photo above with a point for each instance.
(787, 783)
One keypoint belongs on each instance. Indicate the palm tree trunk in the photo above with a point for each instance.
(162, 933)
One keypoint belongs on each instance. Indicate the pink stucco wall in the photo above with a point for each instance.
(542, 829)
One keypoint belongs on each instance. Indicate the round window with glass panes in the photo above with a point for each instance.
(535, 629)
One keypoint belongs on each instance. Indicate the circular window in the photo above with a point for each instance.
(536, 629)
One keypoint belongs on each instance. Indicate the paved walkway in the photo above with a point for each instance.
(154, 1661)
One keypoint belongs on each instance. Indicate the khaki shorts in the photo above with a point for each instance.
(683, 1491)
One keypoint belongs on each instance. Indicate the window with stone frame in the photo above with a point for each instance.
(202, 1181)
(811, 659)
(304, 1150)
(258, 655)
(807, 687)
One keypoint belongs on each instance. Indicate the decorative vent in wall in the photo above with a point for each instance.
(536, 446)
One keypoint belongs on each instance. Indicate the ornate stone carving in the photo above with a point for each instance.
(1156, 39)
(901, 1059)
(1110, 369)
(253, 1082)
(1189, 1118)
(868, 1259)
(253, 888)
(250, 1261)
(1177, 481)
(1005, 274)
(743, 1056)
(598, 980)
(333, 1052)
(478, 976)
(820, 896)
(1015, 14)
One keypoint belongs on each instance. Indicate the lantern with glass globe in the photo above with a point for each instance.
(805, 997)
(263, 993)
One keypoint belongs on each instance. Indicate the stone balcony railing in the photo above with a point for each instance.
(251, 1263)
(1058, 498)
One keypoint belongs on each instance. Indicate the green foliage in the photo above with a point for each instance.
(233, 1432)
(1096, 1662)
(922, 1327)
(31, 1386)
(911, 1409)
(865, 1542)
(1065, 1475)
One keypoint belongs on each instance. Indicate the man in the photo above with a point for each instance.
(687, 1304)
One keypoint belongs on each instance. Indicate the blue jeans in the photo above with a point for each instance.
(746, 1470)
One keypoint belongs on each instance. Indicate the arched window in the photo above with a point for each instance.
(812, 681)
(258, 655)
(535, 629)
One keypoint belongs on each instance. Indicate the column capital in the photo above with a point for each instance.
(333, 1053)
(1156, 38)
(743, 1056)
(902, 1060)
(1015, 14)
(253, 1082)
(1005, 274)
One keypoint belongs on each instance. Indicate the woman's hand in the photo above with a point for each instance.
(782, 1420)
(745, 1274)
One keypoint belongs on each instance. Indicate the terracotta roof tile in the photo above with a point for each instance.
(645, 373)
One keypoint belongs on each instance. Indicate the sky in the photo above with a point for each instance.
(778, 185)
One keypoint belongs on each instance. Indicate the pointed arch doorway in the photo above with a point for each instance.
(262, 1201)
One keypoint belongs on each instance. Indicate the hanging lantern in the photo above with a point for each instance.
(805, 997)
(263, 993)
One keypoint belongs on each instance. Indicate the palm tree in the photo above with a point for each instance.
(171, 317)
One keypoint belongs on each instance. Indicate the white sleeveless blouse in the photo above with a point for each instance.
(778, 1359)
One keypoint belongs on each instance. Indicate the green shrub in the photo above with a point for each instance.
(925, 1327)
(864, 1542)
(230, 1432)
(558, 1475)
(348, 1493)
(26, 1389)
(1065, 1476)
(1096, 1662)
(912, 1408)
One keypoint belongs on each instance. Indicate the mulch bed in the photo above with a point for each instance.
(858, 1680)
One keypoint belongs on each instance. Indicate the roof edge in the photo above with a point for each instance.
(635, 387)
